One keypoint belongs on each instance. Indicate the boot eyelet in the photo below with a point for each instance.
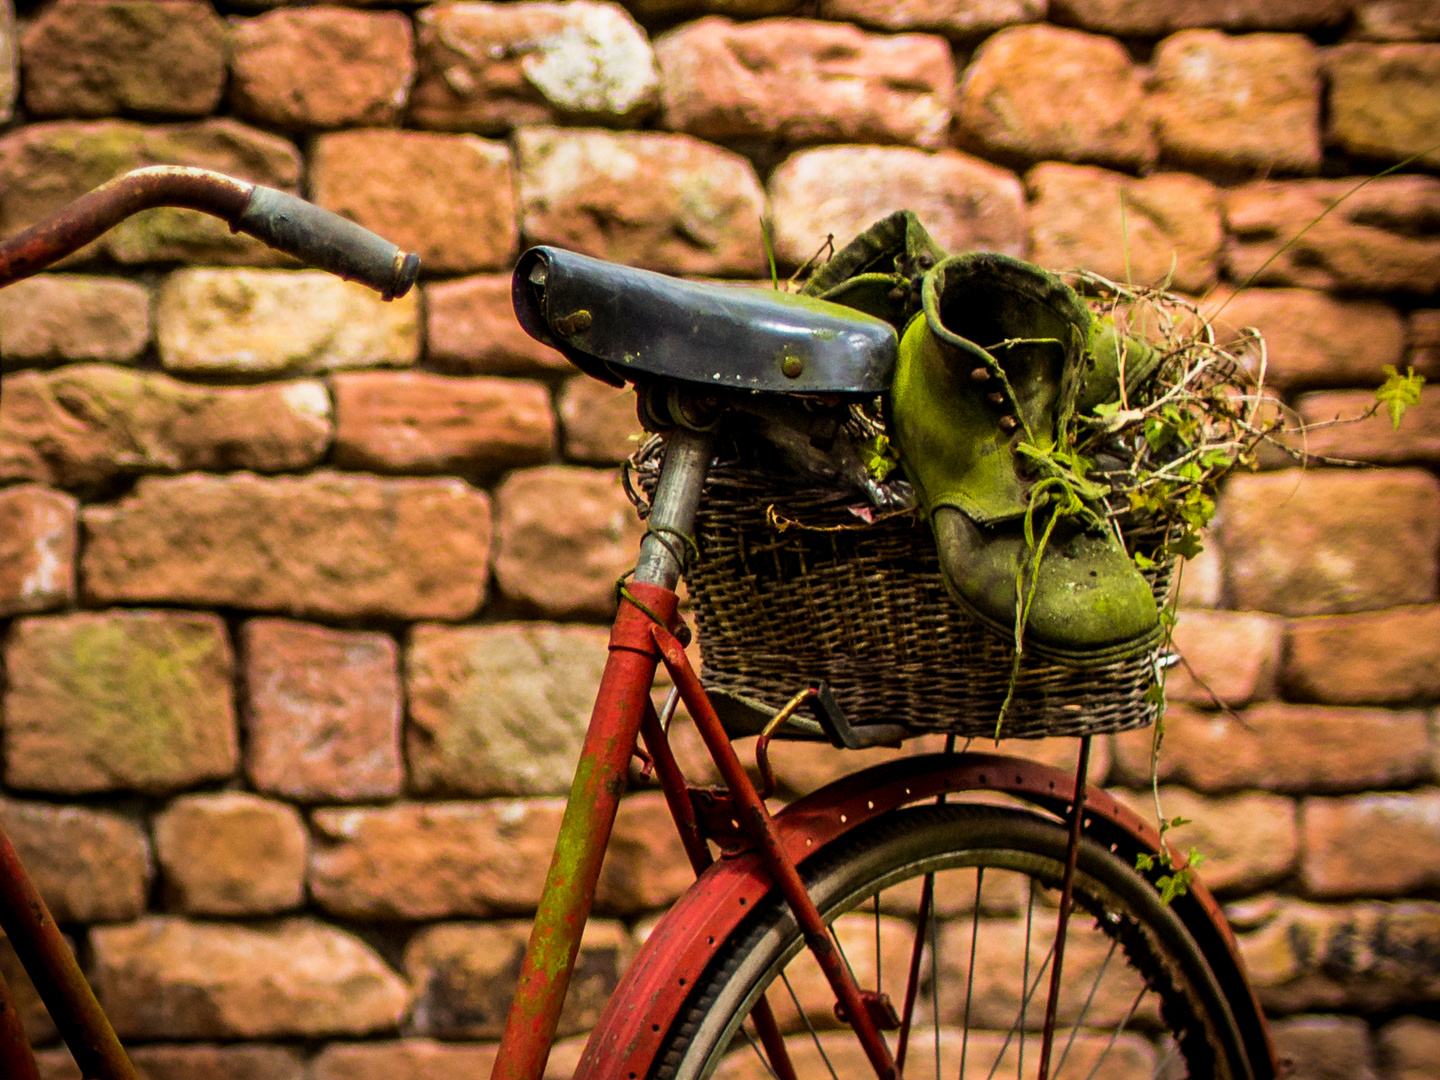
(980, 374)
(1008, 423)
(996, 396)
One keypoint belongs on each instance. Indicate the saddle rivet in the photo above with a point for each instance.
(792, 367)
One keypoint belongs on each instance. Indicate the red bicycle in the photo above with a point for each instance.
(933, 914)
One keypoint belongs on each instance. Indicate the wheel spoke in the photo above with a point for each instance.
(1084, 1009)
(808, 1025)
(970, 976)
(1025, 979)
(1024, 1005)
(758, 1052)
(912, 981)
(1117, 1033)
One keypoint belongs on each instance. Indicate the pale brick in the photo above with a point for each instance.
(265, 322)
(1164, 227)
(231, 853)
(1310, 339)
(963, 19)
(37, 549)
(118, 700)
(1248, 840)
(322, 67)
(598, 421)
(1384, 101)
(57, 317)
(89, 865)
(415, 422)
(1324, 1047)
(1396, 20)
(1379, 658)
(1287, 748)
(1364, 956)
(1409, 1048)
(964, 203)
(321, 710)
(464, 975)
(1228, 655)
(470, 329)
(45, 167)
(667, 202)
(407, 1059)
(563, 535)
(502, 709)
(1152, 18)
(24, 997)
(89, 58)
(1037, 92)
(84, 425)
(1329, 541)
(430, 861)
(491, 67)
(646, 868)
(204, 1062)
(799, 80)
(165, 978)
(1376, 844)
(1248, 103)
(1202, 579)
(327, 544)
(1382, 238)
(449, 198)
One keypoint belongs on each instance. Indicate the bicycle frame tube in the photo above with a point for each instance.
(600, 776)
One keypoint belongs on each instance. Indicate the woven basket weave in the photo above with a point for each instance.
(791, 586)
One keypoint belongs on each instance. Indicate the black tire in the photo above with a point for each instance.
(1189, 1028)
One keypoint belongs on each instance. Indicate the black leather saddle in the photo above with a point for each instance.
(622, 325)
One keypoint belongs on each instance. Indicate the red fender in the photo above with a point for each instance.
(676, 953)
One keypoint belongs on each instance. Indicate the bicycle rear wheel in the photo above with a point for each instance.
(951, 911)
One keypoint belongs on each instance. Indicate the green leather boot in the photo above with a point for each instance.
(994, 362)
(879, 271)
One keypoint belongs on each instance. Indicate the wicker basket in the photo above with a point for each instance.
(791, 586)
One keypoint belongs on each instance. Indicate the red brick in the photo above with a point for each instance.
(37, 549)
(420, 423)
(1384, 101)
(563, 535)
(44, 167)
(490, 67)
(202, 1062)
(165, 978)
(799, 80)
(269, 322)
(1282, 748)
(1422, 341)
(322, 67)
(89, 58)
(56, 317)
(464, 976)
(1201, 583)
(1231, 655)
(1381, 239)
(1310, 339)
(697, 210)
(1156, 17)
(9, 74)
(500, 709)
(84, 425)
(471, 329)
(1376, 844)
(231, 853)
(321, 710)
(25, 998)
(954, 18)
(1409, 1048)
(430, 861)
(842, 190)
(118, 701)
(324, 544)
(1163, 227)
(646, 868)
(1249, 103)
(1396, 20)
(1374, 440)
(1330, 541)
(1038, 92)
(598, 421)
(1383, 657)
(89, 865)
(408, 1059)
(450, 198)
(1325, 1047)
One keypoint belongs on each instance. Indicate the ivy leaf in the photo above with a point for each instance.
(1398, 392)
(1186, 545)
(1144, 862)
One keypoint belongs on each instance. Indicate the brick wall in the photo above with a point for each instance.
(305, 593)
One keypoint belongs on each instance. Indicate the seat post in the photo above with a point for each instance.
(672, 513)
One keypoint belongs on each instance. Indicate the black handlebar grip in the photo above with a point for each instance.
(328, 241)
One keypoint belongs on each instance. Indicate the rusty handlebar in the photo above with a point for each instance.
(287, 223)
